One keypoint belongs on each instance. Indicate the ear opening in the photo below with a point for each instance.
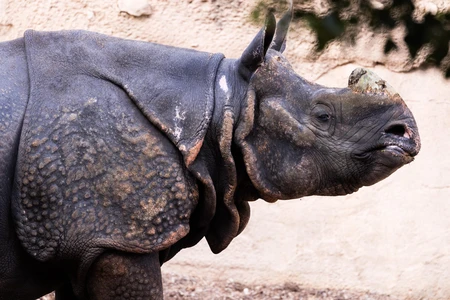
(279, 42)
(255, 53)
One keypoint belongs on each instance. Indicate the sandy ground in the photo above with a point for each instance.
(179, 287)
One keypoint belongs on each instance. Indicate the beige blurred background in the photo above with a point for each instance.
(391, 238)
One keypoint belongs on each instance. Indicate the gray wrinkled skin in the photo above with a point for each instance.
(117, 154)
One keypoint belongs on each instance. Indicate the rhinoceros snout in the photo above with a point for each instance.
(400, 136)
(403, 135)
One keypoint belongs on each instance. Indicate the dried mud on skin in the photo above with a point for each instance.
(178, 287)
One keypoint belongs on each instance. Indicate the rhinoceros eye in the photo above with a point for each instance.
(322, 113)
(322, 116)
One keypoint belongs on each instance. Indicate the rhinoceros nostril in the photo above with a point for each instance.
(399, 130)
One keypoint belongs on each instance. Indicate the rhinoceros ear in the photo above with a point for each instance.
(254, 55)
(279, 42)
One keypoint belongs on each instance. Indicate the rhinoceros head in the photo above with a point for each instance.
(300, 138)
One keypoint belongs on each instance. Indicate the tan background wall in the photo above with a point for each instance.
(392, 238)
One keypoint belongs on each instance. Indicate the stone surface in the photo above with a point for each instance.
(135, 8)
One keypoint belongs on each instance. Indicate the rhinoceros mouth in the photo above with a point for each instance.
(399, 148)
(395, 151)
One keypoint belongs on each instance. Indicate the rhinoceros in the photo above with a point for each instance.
(116, 154)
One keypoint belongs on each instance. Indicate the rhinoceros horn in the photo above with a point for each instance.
(364, 81)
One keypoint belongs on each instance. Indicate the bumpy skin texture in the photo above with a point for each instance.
(102, 158)
(125, 276)
(17, 268)
(117, 154)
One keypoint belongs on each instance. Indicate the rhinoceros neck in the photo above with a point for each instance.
(230, 90)
(229, 104)
(224, 170)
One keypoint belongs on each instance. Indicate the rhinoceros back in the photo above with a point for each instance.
(98, 167)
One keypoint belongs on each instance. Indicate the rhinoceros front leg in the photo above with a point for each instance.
(118, 275)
